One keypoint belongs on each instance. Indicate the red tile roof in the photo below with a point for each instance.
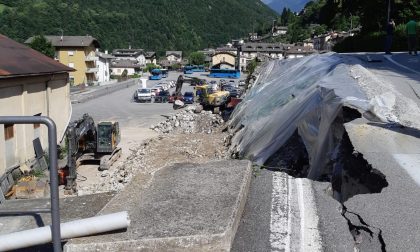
(19, 60)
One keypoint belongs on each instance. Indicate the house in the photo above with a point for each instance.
(224, 59)
(131, 54)
(151, 58)
(252, 50)
(118, 66)
(298, 51)
(31, 84)
(174, 56)
(76, 52)
(279, 30)
(103, 63)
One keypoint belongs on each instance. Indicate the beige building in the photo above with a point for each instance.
(31, 84)
(227, 58)
(77, 52)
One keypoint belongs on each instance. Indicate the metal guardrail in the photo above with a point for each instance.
(52, 151)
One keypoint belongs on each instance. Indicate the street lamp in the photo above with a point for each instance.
(389, 11)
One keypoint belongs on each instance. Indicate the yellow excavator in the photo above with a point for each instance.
(211, 99)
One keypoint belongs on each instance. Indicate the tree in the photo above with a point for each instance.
(197, 58)
(42, 45)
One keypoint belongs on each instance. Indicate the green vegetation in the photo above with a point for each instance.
(320, 16)
(41, 44)
(157, 25)
(2, 8)
(196, 58)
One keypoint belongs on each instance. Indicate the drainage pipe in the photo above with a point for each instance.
(72, 229)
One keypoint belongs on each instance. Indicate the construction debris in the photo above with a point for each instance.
(184, 137)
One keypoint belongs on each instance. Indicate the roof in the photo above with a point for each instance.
(104, 55)
(19, 60)
(69, 41)
(300, 50)
(127, 52)
(125, 63)
(150, 54)
(263, 47)
(225, 52)
(176, 53)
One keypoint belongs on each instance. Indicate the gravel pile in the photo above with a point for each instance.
(190, 120)
(185, 137)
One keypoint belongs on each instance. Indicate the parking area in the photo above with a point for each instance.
(164, 88)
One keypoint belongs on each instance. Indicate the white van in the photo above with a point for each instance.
(143, 95)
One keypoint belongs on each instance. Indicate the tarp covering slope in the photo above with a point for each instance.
(305, 94)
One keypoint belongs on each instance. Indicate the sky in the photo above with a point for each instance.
(278, 5)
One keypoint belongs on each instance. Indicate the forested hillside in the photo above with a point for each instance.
(157, 25)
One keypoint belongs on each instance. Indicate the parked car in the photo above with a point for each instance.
(163, 86)
(162, 96)
(233, 91)
(143, 95)
(173, 98)
(156, 90)
(241, 83)
(188, 98)
(233, 83)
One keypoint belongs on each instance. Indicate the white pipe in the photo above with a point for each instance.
(72, 229)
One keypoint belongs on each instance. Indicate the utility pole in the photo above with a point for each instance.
(389, 11)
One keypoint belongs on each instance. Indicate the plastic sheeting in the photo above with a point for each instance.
(305, 94)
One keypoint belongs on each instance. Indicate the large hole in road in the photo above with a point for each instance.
(348, 172)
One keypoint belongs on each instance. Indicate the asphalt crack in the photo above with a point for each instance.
(365, 236)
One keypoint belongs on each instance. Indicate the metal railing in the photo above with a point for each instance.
(52, 151)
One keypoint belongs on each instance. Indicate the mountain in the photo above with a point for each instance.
(157, 25)
(278, 5)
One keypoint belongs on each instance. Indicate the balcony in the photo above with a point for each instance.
(91, 58)
(92, 70)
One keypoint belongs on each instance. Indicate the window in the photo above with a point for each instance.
(71, 65)
(37, 125)
(8, 131)
(71, 53)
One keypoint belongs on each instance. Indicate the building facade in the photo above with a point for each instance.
(103, 63)
(31, 84)
(77, 52)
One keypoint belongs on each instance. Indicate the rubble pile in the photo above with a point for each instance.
(197, 138)
(190, 121)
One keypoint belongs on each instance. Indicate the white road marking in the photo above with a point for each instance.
(279, 239)
(309, 233)
(388, 57)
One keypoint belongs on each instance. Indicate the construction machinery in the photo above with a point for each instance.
(211, 99)
(87, 141)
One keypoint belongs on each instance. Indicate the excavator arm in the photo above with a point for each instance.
(81, 137)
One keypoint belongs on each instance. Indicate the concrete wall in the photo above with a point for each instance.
(42, 95)
(76, 57)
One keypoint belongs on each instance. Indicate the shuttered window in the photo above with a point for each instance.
(8, 131)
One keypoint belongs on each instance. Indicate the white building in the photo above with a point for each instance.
(131, 54)
(119, 65)
(174, 56)
(103, 63)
